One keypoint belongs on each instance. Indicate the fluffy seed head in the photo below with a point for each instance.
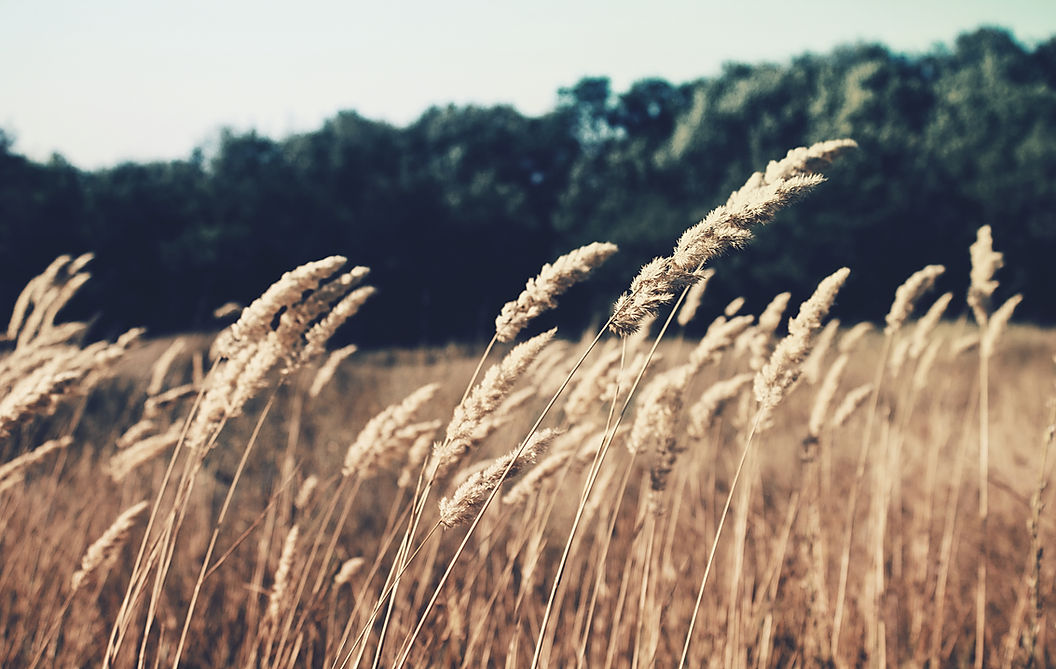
(825, 394)
(14, 468)
(927, 323)
(759, 345)
(733, 307)
(381, 439)
(693, 298)
(853, 337)
(850, 403)
(348, 570)
(727, 227)
(101, 554)
(654, 287)
(327, 370)
(144, 450)
(783, 369)
(540, 293)
(985, 262)
(908, 293)
(470, 497)
(660, 403)
(997, 323)
(815, 360)
(719, 337)
(702, 414)
(255, 321)
(277, 598)
(463, 430)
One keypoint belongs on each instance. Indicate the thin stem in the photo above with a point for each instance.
(852, 508)
(644, 593)
(494, 492)
(718, 535)
(418, 506)
(113, 644)
(216, 528)
(984, 509)
(381, 600)
(593, 477)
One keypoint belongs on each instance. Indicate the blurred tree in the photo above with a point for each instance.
(455, 211)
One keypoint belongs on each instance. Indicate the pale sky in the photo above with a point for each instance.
(111, 80)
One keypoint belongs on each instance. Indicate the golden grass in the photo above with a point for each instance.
(889, 508)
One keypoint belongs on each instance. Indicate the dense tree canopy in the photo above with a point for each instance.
(455, 211)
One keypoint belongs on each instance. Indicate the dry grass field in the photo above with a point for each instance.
(786, 490)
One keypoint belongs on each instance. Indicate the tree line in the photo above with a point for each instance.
(454, 211)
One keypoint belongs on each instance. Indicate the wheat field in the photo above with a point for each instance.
(785, 490)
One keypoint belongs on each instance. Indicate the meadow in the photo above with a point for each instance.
(785, 490)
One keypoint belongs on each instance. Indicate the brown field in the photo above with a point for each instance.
(907, 532)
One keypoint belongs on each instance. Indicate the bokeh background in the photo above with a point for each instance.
(454, 148)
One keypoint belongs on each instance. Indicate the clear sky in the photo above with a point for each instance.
(110, 80)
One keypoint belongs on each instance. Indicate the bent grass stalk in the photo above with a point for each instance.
(593, 476)
(134, 589)
(473, 525)
(718, 535)
(219, 522)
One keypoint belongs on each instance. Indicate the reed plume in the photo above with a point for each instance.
(985, 262)
(693, 297)
(31, 293)
(328, 368)
(530, 484)
(348, 569)
(733, 307)
(463, 430)
(850, 339)
(281, 584)
(727, 227)
(763, 333)
(704, 411)
(720, 336)
(540, 293)
(383, 438)
(816, 358)
(142, 451)
(13, 471)
(997, 323)
(777, 376)
(468, 499)
(826, 392)
(908, 293)
(927, 324)
(102, 553)
(850, 404)
(255, 321)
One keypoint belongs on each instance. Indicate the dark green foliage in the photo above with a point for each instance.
(455, 211)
